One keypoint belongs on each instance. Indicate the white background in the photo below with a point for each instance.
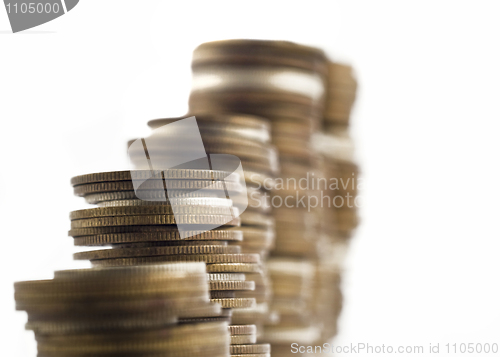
(424, 265)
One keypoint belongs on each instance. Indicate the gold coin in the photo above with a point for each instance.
(235, 302)
(242, 329)
(151, 238)
(260, 52)
(207, 258)
(155, 220)
(170, 243)
(119, 234)
(153, 251)
(72, 327)
(233, 268)
(153, 195)
(172, 174)
(231, 285)
(149, 210)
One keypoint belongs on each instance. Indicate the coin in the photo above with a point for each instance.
(242, 329)
(153, 195)
(194, 201)
(233, 268)
(155, 220)
(173, 174)
(235, 302)
(153, 251)
(231, 285)
(258, 52)
(157, 185)
(207, 258)
(149, 210)
(119, 234)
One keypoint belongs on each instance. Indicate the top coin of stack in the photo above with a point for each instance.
(129, 311)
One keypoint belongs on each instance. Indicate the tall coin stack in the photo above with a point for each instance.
(246, 137)
(140, 232)
(127, 311)
(285, 83)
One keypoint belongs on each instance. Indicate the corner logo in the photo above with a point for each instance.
(179, 145)
(25, 14)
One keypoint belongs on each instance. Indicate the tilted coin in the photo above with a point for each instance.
(207, 258)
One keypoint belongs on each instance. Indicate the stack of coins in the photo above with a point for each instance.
(248, 138)
(285, 83)
(132, 311)
(145, 232)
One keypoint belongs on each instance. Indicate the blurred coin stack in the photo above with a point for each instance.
(285, 83)
(126, 311)
(147, 232)
(336, 147)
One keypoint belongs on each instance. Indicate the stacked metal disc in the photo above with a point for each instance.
(284, 83)
(132, 311)
(145, 232)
